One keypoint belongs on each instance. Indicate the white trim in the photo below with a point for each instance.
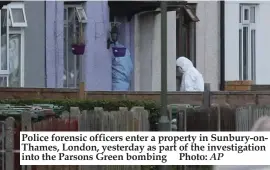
(77, 7)
(69, 22)
(22, 58)
(66, 45)
(81, 16)
(245, 7)
(5, 76)
(251, 26)
(8, 40)
(73, 5)
(21, 33)
(6, 72)
(17, 6)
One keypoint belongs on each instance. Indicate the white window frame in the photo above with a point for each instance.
(245, 7)
(21, 33)
(17, 6)
(78, 8)
(4, 72)
(13, 30)
(3, 76)
(251, 75)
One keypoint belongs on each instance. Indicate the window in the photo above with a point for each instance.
(186, 36)
(17, 15)
(191, 14)
(74, 17)
(12, 48)
(247, 42)
(81, 14)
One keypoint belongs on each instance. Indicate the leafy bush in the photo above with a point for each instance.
(108, 105)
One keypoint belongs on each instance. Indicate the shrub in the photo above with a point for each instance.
(108, 105)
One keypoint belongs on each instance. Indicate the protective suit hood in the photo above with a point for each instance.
(184, 63)
(192, 79)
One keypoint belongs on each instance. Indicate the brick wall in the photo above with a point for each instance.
(196, 98)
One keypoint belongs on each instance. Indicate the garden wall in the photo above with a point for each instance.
(221, 97)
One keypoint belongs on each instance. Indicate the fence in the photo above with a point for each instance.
(215, 118)
(219, 118)
(96, 120)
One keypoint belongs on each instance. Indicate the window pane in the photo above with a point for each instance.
(253, 55)
(240, 56)
(240, 14)
(65, 55)
(252, 14)
(246, 14)
(3, 81)
(69, 57)
(71, 14)
(17, 14)
(81, 14)
(14, 60)
(71, 61)
(77, 58)
(245, 53)
(65, 14)
(3, 39)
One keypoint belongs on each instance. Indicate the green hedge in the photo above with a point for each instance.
(108, 105)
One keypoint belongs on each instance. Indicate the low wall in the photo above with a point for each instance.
(221, 97)
(260, 87)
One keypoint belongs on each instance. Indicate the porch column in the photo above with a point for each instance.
(147, 42)
(171, 52)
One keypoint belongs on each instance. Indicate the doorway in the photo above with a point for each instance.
(186, 36)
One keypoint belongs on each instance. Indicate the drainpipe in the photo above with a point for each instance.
(222, 45)
(56, 44)
(45, 38)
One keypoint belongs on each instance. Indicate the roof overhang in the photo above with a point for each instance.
(3, 3)
(130, 8)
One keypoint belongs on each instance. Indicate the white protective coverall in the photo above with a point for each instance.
(192, 79)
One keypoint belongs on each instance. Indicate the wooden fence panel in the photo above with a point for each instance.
(10, 161)
(247, 115)
(215, 118)
(67, 122)
(122, 120)
(95, 120)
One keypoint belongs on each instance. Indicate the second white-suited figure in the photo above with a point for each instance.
(192, 79)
